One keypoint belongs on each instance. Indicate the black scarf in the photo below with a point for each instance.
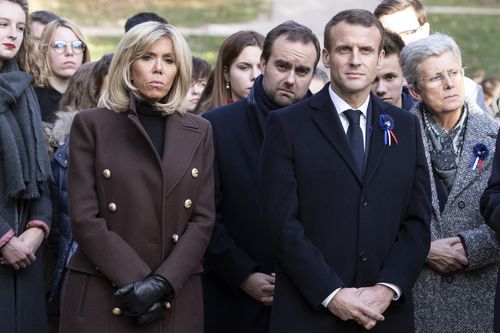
(25, 155)
(263, 103)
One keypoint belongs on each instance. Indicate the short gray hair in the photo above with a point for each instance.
(416, 52)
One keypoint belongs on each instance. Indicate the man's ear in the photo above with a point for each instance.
(425, 30)
(325, 57)
(263, 64)
(414, 92)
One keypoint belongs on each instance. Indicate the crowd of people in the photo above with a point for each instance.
(149, 192)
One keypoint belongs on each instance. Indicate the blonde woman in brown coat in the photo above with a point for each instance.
(140, 195)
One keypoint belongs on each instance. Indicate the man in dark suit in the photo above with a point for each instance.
(345, 191)
(239, 283)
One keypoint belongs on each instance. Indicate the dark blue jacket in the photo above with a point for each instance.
(332, 227)
(239, 244)
(60, 238)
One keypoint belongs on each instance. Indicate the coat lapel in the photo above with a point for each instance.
(182, 137)
(375, 140)
(327, 120)
(477, 131)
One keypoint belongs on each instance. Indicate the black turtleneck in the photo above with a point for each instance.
(153, 122)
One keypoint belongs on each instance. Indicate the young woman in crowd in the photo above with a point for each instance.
(141, 195)
(25, 210)
(200, 74)
(237, 67)
(63, 50)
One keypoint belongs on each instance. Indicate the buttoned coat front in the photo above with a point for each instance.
(332, 227)
(134, 214)
(462, 301)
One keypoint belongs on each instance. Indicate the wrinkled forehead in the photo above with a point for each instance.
(347, 34)
(295, 52)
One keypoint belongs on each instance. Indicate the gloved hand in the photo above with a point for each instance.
(154, 313)
(139, 296)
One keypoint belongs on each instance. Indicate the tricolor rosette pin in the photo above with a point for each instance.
(386, 123)
(480, 152)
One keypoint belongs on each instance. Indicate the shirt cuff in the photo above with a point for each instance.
(6, 238)
(395, 288)
(329, 298)
(39, 224)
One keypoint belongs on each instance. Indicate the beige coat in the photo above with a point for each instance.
(134, 214)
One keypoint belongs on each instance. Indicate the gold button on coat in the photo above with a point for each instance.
(117, 311)
(194, 172)
(106, 173)
(112, 207)
(167, 305)
(188, 203)
(175, 238)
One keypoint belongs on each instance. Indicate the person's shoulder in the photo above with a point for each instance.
(191, 120)
(481, 120)
(227, 111)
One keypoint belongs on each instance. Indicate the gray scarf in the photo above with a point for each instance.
(25, 157)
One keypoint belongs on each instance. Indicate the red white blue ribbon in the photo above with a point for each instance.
(480, 152)
(386, 124)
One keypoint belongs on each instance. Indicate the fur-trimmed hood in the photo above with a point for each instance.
(58, 132)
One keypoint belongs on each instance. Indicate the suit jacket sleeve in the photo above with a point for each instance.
(481, 245)
(490, 200)
(105, 249)
(407, 256)
(295, 254)
(187, 255)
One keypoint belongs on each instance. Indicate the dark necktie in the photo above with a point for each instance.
(355, 138)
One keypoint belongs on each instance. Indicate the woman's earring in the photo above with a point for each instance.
(228, 86)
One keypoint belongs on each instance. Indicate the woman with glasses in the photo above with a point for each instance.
(25, 210)
(63, 51)
(456, 288)
(141, 192)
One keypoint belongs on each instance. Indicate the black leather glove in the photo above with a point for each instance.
(154, 313)
(139, 296)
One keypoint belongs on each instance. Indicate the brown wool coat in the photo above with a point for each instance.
(134, 214)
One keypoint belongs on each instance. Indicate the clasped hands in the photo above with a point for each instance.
(363, 305)
(19, 252)
(143, 300)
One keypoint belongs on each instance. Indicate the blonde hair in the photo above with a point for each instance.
(46, 38)
(135, 44)
(26, 57)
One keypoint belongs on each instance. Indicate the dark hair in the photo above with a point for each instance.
(141, 18)
(490, 85)
(393, 44)
(355, 17)
(101, 69)
(215, 94)
(387, 7)
(43, 16)
(201, 69)
(294, 32)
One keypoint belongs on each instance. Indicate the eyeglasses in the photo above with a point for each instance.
(434, 81)
(408, 33)
(60, 46)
